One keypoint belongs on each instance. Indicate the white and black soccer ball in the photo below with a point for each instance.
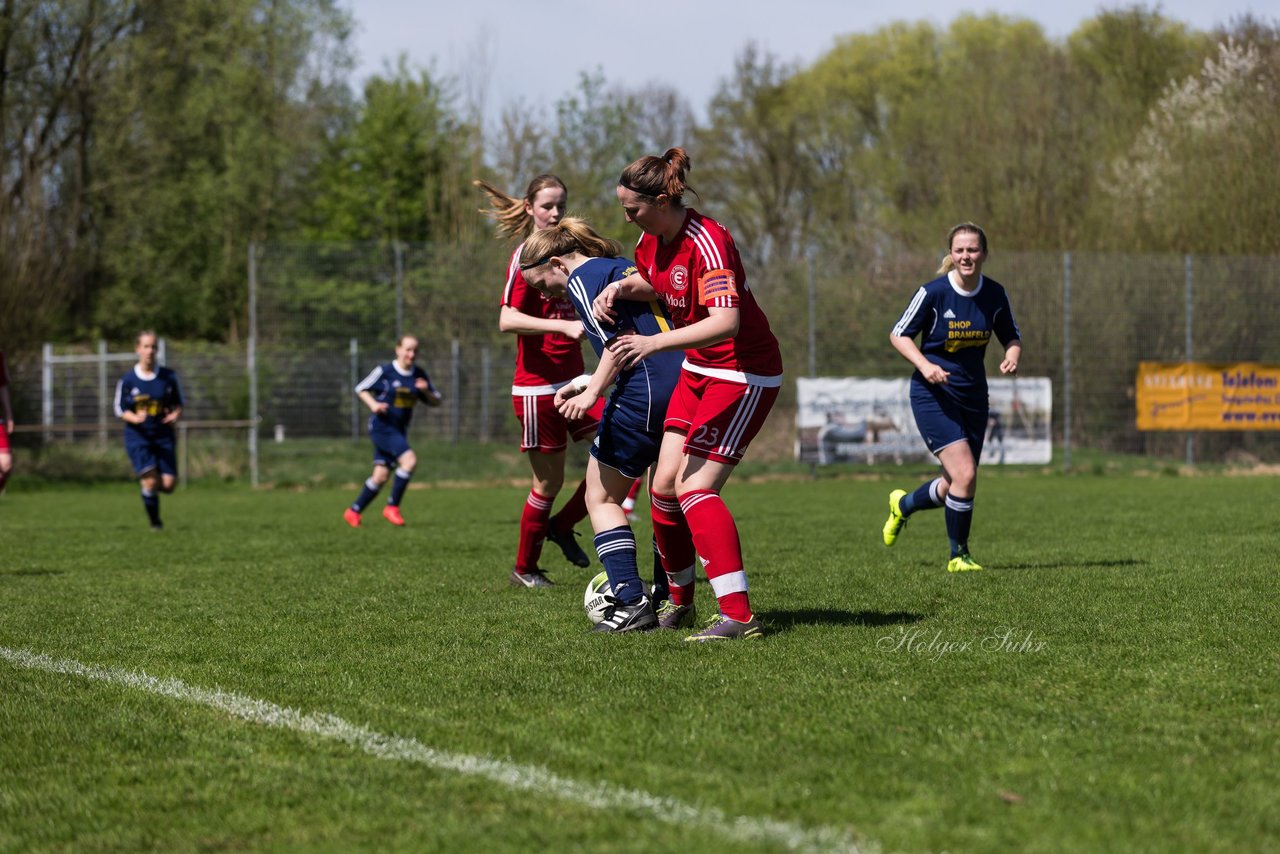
(598, 598)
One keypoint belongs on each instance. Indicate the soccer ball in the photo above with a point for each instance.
(598, 598)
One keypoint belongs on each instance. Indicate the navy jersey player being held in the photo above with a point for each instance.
(955, 316)
(570, 258)
(149, 401)
(390, 391)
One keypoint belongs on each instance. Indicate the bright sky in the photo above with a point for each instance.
(534, 52)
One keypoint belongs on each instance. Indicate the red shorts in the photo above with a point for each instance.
(545, 429)
(718, 417)
(4, 437)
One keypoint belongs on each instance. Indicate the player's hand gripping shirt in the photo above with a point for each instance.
(154, 395)
(642, 391)
(543, 362)
(955, 327)
(390, 385)
(700, 270)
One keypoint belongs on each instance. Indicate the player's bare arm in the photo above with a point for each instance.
(376, 406)
(516, 322)
(719, 325)
(426, 394)
(1012, 355)
(633, 287)
(933, 374)
(575, 401)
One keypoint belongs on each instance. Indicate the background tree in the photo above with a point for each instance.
(224, 104)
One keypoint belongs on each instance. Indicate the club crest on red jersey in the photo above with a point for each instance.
(679, 277)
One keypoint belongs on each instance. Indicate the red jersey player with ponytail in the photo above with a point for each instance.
(730, 379)
(548, 356)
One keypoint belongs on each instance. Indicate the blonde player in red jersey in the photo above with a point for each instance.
(548, 356)
(730, 379)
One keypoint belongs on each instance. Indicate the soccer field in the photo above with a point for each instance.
(258, 675)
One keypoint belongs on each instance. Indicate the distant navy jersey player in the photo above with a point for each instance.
(631, 427)
(395, 387)
(954, 329)
(155, 394)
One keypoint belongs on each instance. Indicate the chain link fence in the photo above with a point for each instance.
(326, 314)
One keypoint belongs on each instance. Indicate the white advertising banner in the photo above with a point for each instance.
(853, 420)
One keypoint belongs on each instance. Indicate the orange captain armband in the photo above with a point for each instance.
(716, 284)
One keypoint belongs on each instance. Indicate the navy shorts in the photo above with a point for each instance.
(943, 421)
(151, 454)
(388, 445)
(624, 444)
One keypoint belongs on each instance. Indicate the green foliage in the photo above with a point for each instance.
(147, 145)
(394, 173)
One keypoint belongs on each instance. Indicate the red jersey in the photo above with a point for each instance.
(542, 361)
(699, 270)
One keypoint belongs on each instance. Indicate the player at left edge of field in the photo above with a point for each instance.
(149, 401)
(6, 426)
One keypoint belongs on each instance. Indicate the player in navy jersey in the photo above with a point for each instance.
(390, 391)
(570, 258)
(955, 316)
(149, 402)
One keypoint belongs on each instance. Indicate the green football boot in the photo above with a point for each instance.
(893, 527)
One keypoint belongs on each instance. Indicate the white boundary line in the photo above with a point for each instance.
(514, 776)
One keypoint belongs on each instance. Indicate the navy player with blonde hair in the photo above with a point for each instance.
(955, 316)
(390, 391)
(548, 356)
(149, 401)
(570, 259)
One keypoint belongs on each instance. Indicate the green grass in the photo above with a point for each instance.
(1136, 709)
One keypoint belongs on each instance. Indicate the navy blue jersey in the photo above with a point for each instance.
(155, 394)
(641, 392)
(955, 327)
(394, 387)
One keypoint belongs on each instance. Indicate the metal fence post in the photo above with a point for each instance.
(455, 377)
(102, 392)
(399, 261)
(813, 314)
(355, 378)
(1066, 361)
(251, 357)
(1191, 453)
(184, 455)
(485, 358)
(46, 390)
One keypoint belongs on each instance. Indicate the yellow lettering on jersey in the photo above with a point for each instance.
(716, 284)
(962, 337)
(404, 399)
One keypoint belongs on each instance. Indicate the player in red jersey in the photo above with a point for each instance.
(6, 426)
(548, 356)
(731, 376)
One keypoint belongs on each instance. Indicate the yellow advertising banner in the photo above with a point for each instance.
(1208, 396)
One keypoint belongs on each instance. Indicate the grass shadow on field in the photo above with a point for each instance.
(33, 572)
(782, 621)
(1118, 563)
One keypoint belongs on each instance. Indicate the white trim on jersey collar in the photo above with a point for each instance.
(146, 376)
(395, 363)
(953, 279)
